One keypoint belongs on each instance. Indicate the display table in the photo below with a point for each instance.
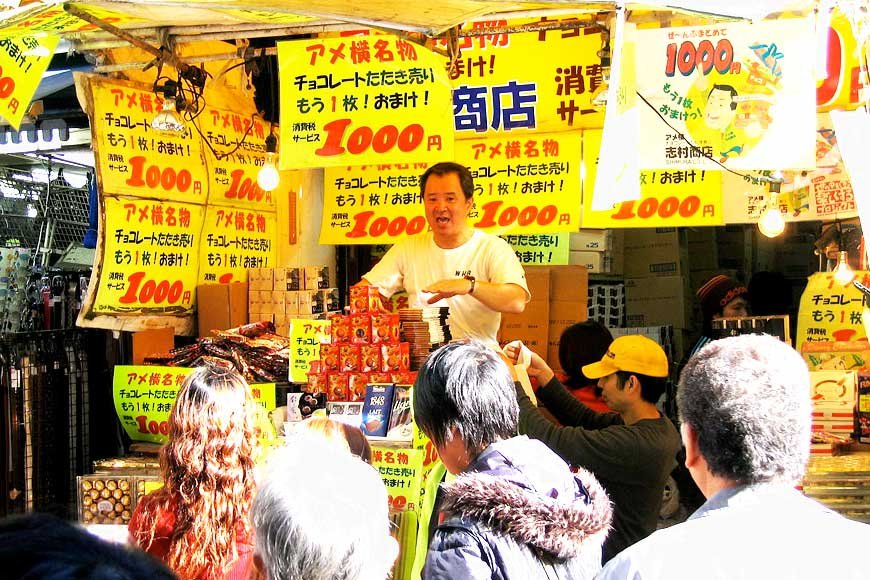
(841, 482)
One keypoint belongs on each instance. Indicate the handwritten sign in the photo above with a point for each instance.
(23, 61)
(743, 93)
(353, 101)
(830, 311)
(401, 471)
(528, 186)
(149, 258)
(144, 395)
(306, 336)
(234, 240)
(670, 197)
(240, 141)
(134, 159)
(540, 249)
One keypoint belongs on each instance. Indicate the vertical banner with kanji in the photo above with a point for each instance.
(134, 159)
(149, 257)
(742, 93)
(306, 336)
(23, 60)
(401, 470)
(355, 101)
(668, 197)
(830, 311)
(520, 186)
(235, 240)
(510, 83)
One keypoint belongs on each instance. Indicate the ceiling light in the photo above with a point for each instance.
(598, 99)
(843, 273)
(268, 177)
(771, 223)
(167, 120)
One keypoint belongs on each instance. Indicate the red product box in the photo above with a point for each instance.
(317, 382)
(380, 377)
(395, 357)
(364, 299)
(361, 328)
(370, 357)
(337, 387)
(349, 358)
(340, 328)
(357, 386)
(330, 357)
(385, 328)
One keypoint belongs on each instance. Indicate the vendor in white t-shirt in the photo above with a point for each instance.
(476, 274)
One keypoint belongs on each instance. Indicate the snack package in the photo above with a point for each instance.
(337, 387)
(385, 328)
(395, 357)
(370, 358)
(400, 415)
(340, 328)
(360, 328)
(349, 357)
(330, 357)
(364, 299)
(310, 402)
(376, 409)
(317, 383)
(357, 383)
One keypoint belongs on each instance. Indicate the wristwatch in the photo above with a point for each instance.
(473, 280)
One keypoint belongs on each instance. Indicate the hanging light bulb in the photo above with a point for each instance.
(167, 120)
(598, 98)
(268, 177)
(843, 273)
(771, 223)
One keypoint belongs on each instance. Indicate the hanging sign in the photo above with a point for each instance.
(306, 336)
(134, 159)
(523, 186)
(55, 20)
(831, 311)
(840, 88)
(669, 197)
(401, 470)
(240, 144)
(355, 101)
(509, 83)
(149, 257)
(540, 249)
(23, 61)
(144, 395)
(235, 240)
(742, 93)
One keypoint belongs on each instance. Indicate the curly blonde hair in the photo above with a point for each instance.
(208, 473)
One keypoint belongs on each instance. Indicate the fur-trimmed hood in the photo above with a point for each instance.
(520, 488)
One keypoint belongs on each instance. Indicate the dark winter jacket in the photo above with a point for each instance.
(517, 512)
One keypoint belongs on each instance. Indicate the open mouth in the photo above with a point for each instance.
(442, 220)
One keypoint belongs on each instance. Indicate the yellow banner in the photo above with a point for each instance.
(510, 83)
(401, 470)
(240, 141)
(23, 61)
(134, 159)
(840, 89)
(54, 20)
(306, 336)
(541, 249)
(263, 16)
(144, 395)
(149, 258)
(352, 101)
(669, 198)
(529, 186)
(830, 311)
(234, 240)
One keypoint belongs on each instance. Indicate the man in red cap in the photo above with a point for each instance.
(631, 451)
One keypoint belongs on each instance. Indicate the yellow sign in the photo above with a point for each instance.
(54, 20)
(240, 141)
(264, 16)
(134, 159)
(23, 61)
(306, 336)
(830, 311)
(149, 258)
(524, 186)
(144, 395)
(669, 198)
(510, 83)
(234, 240)
(840, 89)
(401, 470)
(352, 101)
(540, 249)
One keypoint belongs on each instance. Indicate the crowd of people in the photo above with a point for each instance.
(569, 486)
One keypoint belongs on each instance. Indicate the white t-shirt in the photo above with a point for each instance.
(416, 262)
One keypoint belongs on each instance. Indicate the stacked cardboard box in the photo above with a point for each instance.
(280, 294)
(599, 251)
(221, 306)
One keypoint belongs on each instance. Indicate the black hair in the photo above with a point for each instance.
(728, 88)
(651, 388)
(582, 344)
(445, 168)
(43, 546)
(468, 387)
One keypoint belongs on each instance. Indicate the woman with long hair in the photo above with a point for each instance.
(198, 522)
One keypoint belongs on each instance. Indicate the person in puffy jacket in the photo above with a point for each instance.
(515, 510)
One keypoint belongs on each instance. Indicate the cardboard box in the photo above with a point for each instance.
(151, 342)
(657, 301)
(594, 262)
(562, 315)
(655, 252)
(294, 279)
(590, 240)
(221, 306)
(568, 283)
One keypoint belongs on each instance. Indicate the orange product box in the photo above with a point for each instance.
(395, 357)
(370, 358)
(330, 356)
(340, 328)
(349, 357)
(317, 382)
(337, 387)
(357, 386)
(361, 328)
(385, 328)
